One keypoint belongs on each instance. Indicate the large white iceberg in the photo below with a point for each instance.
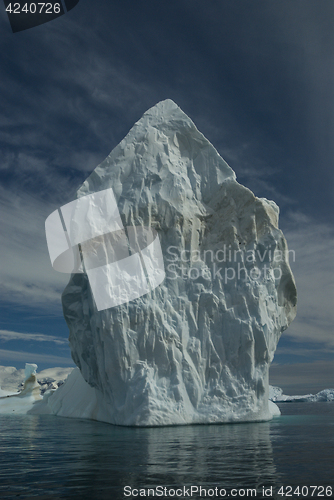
(197, 348)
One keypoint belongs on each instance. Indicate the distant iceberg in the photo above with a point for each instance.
(276, 395)
(23, 401)
(12, 380)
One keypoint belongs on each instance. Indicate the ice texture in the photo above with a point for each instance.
(197, 348)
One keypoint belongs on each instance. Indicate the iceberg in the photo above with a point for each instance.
(23, 401)
(276, 395)
(197, 347)
(12, 380)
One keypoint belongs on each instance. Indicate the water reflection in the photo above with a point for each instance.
(69, 458)
(228, 455)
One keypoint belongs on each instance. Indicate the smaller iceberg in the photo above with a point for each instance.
(23, 401)
(276, 394)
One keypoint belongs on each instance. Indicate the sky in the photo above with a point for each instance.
(256, 77)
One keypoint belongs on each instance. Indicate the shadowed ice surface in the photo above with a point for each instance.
(52, 457)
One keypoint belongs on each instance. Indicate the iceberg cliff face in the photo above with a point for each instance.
(197, 348)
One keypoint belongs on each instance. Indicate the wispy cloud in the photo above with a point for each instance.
(28, 357)
(254, 173)
(6, 335)
(304, 350)
(26, 275)
(60, 121)
(313, 268)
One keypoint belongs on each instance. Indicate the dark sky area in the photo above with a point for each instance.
(256, 77)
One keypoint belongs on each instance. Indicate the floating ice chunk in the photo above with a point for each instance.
(23, 401)
(276, 394)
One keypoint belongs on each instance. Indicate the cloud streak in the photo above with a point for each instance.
(313, 269)
(29, 357)
(26, 274)
(6, 336)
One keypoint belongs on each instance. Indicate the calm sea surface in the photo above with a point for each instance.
(49, 457)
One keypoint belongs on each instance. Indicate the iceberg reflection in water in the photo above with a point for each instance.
(52, 457)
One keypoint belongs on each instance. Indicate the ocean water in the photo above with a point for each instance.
(49, 457)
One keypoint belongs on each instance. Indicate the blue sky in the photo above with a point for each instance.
(256, 77)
